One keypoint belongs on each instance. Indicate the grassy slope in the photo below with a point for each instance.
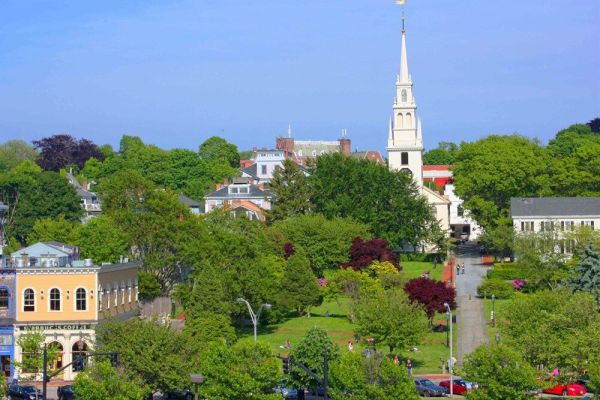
(427, 360)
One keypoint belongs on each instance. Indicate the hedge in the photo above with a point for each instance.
(501, 289)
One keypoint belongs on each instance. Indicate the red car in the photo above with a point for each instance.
(571, 389)
(459, 386)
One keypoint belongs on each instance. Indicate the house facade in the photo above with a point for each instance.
(555, 214)
(51, 291)
(242, 197)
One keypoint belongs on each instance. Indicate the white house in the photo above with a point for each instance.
(558, 214)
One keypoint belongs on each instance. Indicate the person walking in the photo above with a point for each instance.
(350, 345)
(462, 268)
(396, 360)
(457, 269)
(409, 366)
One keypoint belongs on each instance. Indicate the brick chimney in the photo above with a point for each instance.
(345, 146)
(285, 143)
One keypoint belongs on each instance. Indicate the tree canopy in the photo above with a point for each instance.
(60, 151)
(387, 201)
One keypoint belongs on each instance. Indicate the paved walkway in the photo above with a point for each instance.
(470, 314)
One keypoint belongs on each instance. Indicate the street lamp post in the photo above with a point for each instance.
(254, 316)
(451, 366)
(197, 380)
(493, 310)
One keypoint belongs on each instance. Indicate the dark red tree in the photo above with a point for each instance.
(431, 294)
(364, 252)
(288, 250)
(59, 151)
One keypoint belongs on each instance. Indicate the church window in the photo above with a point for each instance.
(407, 171)
(408, 121)
(400, 122)
(404, 95)
(404, 158)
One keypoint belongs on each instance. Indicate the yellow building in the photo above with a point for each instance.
(67, 302)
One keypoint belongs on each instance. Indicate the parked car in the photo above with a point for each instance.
(286, 391)
(185, 394)
(66, 393)
(570, 389)
(426, 388)
(18, 392)
(585, 382)
(459, 386)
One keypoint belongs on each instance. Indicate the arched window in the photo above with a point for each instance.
(407, 171)
(28, 300)
(80, 299)
(408, 120)
(54, 299)
(4, 298)
(404, 95)
(79, 352)
(404, 158)
(400, 121)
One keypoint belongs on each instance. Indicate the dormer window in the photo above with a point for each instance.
(233, 190)
(244, 189)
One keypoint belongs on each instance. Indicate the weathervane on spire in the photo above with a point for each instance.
(401, 2)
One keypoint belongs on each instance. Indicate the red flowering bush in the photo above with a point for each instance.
(364, 252)
(431, 294)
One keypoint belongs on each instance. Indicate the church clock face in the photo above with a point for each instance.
(407, 171)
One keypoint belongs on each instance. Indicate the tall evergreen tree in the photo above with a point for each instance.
(300, 289)
(291, 190)
(586, 276)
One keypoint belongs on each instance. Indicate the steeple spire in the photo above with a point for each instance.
(404, 75)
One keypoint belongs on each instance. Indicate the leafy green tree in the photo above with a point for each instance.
(154, 356)
(391, 319)
(158, 225)
(47, 229)
(149, 286)
(369, 378)
(501, 373)
(299, 289)
(324, 242)
(33, 195)
(586, 276)
(387, 201)
(488, 172)
(310, 352)
(218, 149)
(13, 152)
(101, 381)
(292, 193)
(244, 371)
(211, 327)
(32, 350)
(101, 240)
(554, 329)
(444, 154)
(499, 238)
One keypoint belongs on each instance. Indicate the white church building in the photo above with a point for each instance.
(405, 139)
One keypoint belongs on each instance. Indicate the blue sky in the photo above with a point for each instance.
(176, 72)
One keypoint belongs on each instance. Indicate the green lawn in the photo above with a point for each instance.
(414, 269)
(427, 360)
(499, 314)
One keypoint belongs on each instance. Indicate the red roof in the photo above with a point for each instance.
(436, 167)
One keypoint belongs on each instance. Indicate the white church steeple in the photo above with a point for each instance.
(405, 141)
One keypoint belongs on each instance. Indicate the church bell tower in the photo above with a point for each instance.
(405, 141)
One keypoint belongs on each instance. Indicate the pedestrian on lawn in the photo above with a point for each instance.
(350, 345)
(396, 360)
(409, 366)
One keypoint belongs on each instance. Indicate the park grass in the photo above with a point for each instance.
(499, 315)
(414, 269)
(427, 360)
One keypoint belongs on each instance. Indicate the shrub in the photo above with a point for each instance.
(507, 272)
(501, 289)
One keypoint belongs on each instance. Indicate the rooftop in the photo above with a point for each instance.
(554, 206)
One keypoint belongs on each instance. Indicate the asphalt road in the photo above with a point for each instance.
(470, 313)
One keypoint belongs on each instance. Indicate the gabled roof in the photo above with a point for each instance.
(189, 201)
(253, 192)
(46, 248)
(252, 170)
(554, 206)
